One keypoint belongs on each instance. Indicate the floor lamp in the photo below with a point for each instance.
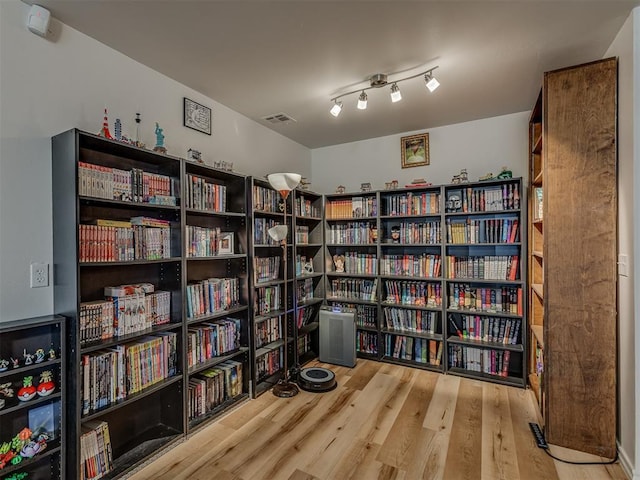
(284, 183)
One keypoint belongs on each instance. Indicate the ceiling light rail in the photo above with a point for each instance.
(380, 80)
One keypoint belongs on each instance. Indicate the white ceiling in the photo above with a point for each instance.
(266, 57)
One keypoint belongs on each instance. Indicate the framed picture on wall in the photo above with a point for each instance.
(196, 116)
(415, 150)
(225, 243)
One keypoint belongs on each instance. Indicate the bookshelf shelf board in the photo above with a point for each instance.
(269, 283)
(269, 245)
(515, 211)
(212, 362)
(130, 263)
(537, 181)
(218, 257)
(262, 213)
(143, 446)
(269, 347)
(309, 275)
(308, 328)
(408, 333)
(307, 357)
(420, 245)
(53, 448)
(357, 245)
(366, 328)
(309, 302)
(537, 254)
(307, 218)
(209, 171)
(400, 217)
(411, 278)
(345, 274)
(25, 369)
(351, 300)
(481, 343)
(349, 219)
(412, 363)
(271, 314)
(413, 307)
(110, 342)
(133, 397)
(309, 245)
(18, 405)
(95, 201)
(202, 420)
(212, 316)
(513, 381)
(370, 356)
(538, 289)
(538, 333)
(496, 281)
(477, 244)
(211, 213)
(483, 312)
(537, 222)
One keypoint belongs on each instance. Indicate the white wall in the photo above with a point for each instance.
(622, 47)
(480, 146)
(48, 87)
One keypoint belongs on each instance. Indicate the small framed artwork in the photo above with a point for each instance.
(415, 150)
(225, 243)
(196, 116)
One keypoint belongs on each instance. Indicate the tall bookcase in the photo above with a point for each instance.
(351, 252)
(309, 272)
(150, 255)
(436, 274)
(37, 345)
(573, 310)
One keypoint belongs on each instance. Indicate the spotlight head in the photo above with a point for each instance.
(362, 101)
(336, 109)
(431, 81)
(396, 96)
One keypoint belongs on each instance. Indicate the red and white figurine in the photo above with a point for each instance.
(46, 385)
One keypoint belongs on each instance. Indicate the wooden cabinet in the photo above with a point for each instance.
(577, 303)
(32, 352)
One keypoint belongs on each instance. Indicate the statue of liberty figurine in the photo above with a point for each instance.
(159, 140)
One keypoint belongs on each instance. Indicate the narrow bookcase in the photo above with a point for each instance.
(309, 272)
(270, 309)
(150, 253)
(351, 253)
(415, 258)
(37, 344)
(484, 281)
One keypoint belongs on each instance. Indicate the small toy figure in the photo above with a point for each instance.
(104, 131)
(304, 183)
(28, 391)
(52, 354)
(340, 189)
(338, 260)
(307, 267)
(28, 357)
(15, 362)
(159, 140)
(40, 355)
(6, 390)
(194, 155)
(4, 364)
(505, 173)
(487, 177)
(365, 187)
(461, 177)
(46, 385)
(373, 233)
(395, 234)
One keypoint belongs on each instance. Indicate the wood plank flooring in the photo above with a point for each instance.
(382, 422)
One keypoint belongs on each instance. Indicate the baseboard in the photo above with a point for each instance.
(626, 465)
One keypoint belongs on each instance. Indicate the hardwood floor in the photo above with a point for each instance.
(382, 422)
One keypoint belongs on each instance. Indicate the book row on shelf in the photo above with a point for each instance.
(354, 288)
(96, 452)
(487, 267)
(304, 265)
(305, 316)
(261, 231)
(410, 320)
(355, 207)
(351, 233)
(412, 203)
(491, 362)
(422, 265)
(367, 342)
(486, 299)
(305, 207)
(302, 234)
(268, 331)
(209, 340)
(419, 350)
(360, 263)
(267, 300)
(304, 344)
(409, 292)
(214, 386)
(211, 296)
(410, 233)
(266, 199)
(205, 241)
(133, 185)
(268, 363)
(201, 194)
(490, 230)
(487, 329)
(365, 315)
(493, 198)
(265, 269)
(304, 290)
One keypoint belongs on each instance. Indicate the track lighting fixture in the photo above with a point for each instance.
(380, 80)
(336, 109)
(362, 101)
(396, 96)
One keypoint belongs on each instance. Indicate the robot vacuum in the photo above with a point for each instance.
(316, 379)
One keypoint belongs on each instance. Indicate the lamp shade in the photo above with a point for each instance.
(284, 182)
(278, 232)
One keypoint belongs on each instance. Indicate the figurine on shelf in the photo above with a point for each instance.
(395, 234)
(194, 155)
(17, 476)
(505, 173)
(6, 390)
(373, 233)
(338, 260)
(28, 391)
(340, 189)
(365, 187)
(159, 140)
(462, 177)
(52, 354)
(28, 357)
(4, 364)
(104, 131)
(46, 385)
(40, 355)
(307, 267)
(15, 362)
(487, 177)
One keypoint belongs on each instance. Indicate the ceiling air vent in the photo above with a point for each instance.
(278, 118)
